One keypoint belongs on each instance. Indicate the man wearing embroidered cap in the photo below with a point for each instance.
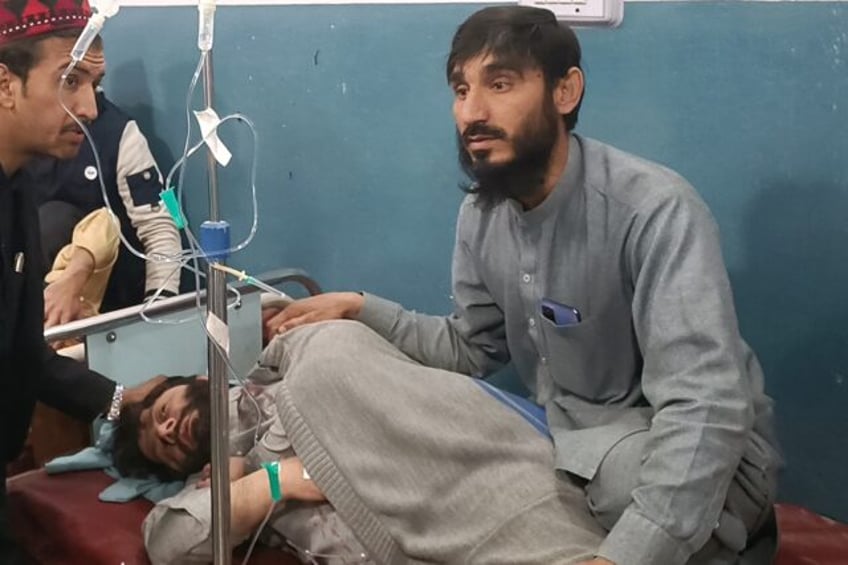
(36, 39)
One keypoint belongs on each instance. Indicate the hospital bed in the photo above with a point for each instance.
(59, 518)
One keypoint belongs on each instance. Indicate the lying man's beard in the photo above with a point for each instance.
(524, 175)
(199, 399)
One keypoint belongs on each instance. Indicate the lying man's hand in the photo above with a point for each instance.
(328, 306)
(236, 472)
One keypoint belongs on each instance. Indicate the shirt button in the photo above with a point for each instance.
(146, 175)
(526, 278)
(544, 360)
(532, 322)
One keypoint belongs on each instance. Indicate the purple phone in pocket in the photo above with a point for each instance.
(560, 315)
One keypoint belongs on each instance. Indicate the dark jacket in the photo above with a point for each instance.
(133, 182)
(29, 369)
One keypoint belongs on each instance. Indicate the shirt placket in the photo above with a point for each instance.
(529, 289)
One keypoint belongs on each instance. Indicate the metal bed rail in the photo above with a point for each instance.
(125, 316)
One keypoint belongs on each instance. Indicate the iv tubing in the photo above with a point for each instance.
(188, 151)
(242, 276)
(156, 257)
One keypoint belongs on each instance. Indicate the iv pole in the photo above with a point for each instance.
(216, 306)
(218, 378)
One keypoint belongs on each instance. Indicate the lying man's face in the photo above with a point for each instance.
(168, 433)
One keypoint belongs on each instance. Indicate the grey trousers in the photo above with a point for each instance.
(749, 502)
(422, 464)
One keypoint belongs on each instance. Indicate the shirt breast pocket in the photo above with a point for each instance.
(573, 357)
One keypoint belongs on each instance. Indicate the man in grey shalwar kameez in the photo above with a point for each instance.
(599, 275)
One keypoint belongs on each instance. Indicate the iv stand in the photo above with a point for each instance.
(218, 377)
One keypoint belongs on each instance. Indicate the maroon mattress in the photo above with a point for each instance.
(809, 539)
(59, 520)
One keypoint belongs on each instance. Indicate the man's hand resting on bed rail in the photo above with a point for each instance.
(328, 306)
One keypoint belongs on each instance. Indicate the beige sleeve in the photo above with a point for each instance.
(97, 233)
(153, 225)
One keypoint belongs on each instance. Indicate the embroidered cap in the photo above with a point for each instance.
(20, 19)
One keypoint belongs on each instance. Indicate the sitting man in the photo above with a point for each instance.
(168, 434)
(599, 275)
(69, 192)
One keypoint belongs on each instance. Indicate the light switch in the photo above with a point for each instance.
(583, 12)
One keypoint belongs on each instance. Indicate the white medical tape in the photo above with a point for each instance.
(208, 121)
(219, 331)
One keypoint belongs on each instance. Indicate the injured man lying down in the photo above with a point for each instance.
(366, 474)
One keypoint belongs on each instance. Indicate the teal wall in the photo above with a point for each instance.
(357, 180)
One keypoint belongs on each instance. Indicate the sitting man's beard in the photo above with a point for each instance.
(523, 176)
